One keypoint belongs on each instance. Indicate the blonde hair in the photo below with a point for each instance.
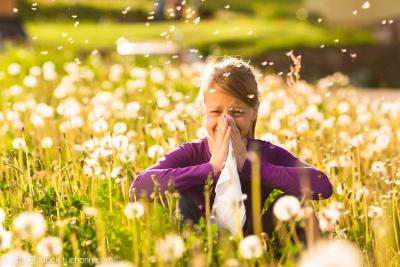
(236, 77)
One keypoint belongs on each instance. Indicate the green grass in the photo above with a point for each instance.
(233, 36)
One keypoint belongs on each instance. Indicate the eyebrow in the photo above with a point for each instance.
(233, 107)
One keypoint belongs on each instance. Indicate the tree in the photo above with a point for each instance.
(10, 26)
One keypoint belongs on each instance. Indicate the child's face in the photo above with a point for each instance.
(218, 103)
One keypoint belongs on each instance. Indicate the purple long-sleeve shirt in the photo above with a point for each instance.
(189, 167)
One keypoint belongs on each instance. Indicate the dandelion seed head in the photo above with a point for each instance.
(134, 210)
(169, 248)
(49, 247)
(18, 143)
(47, 142)
(325, 254)
(30, 225)
(251, 247)
(286, 208)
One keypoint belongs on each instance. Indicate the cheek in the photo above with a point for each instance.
(243, 124)
(211, 124)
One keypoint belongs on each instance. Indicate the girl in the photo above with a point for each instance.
(230, 101)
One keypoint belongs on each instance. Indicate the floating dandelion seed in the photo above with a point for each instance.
(319, 20)
(15, 10)
(196, 21)
(355, 12)
(76, 23)
(391, 21)
(344, 50)
(383, 22)
(365, 5)
(353, 55)
(226, 74)
(322, 46)
(264, 63)
(280, 73)
(251, 247)
(250, 33)
(250, 96)
(227, 6)
(216, 32)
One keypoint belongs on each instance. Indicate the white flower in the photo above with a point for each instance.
(169, 248)
(5, 239)
(374, 211)
(90, 211)
(332, 253)
(2, 216)
(19, 143)
(116, 171)
(156, 132)
(378, 167)
(286, 208)
(49, 247)
(120, 128)
(17, 258)
(154, 150)
(251, 247)
(47, 142)
(14, 68)
(15, 90)
(30, 225)
(134, 210)
(37, 120)
(100, 126)
(131, 110)
(30, 81)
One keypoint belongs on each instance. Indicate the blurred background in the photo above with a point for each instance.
(358, 38)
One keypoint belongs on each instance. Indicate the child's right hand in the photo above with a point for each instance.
(220, 145)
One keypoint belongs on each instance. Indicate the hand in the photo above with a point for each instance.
(220, 144)
(239, 144)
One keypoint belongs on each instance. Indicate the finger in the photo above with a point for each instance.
(227, 135)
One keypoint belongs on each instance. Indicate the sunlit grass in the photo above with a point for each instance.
(236, 35)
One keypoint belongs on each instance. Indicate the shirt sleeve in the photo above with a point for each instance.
(287, 173)
(175, 165)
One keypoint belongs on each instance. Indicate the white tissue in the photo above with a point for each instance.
(228, 194)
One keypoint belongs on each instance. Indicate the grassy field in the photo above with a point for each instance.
(76, 132)
(232, 35)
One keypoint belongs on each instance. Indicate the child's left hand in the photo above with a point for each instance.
(238, 143)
